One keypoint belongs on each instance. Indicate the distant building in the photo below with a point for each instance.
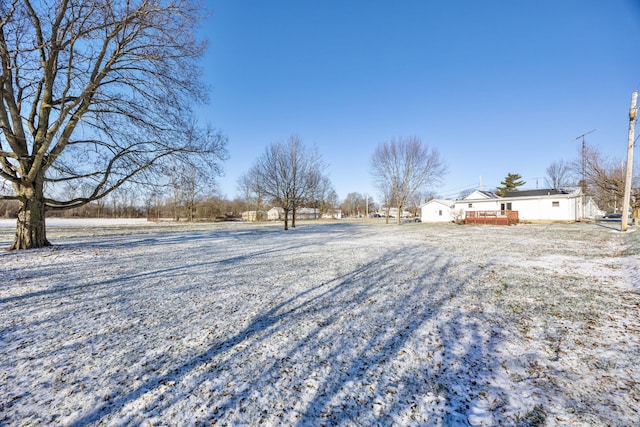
(277, 214)
(332, 214)
(393, 212)
(254, 216)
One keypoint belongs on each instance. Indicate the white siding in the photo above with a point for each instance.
(437, 211)
(554, 207)
(277, 213)
(547, 208)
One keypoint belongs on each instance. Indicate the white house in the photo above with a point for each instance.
(254, 215)
(438, 210)
(393, 212)
(532, 205)
(332, 214)
(277, 213)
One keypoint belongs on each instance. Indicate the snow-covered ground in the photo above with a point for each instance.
(328, 324)
(82, 222)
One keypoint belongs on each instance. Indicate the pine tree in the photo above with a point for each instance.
(510, 183)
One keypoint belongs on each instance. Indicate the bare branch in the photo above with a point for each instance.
(399, 168)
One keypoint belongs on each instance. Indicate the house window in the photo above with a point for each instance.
(470, 205)
(555, 204)
(440, 212)
(505, 206)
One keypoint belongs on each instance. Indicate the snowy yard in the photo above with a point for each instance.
(326, 324)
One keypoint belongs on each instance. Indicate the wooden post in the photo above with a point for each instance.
(624, 221)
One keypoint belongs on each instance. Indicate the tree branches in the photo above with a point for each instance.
(289, 174)
(401, 167)
(94, 94)
(122, 75)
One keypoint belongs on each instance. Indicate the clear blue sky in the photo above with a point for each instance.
(494, 86)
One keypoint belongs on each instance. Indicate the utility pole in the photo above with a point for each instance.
(633, 111)
(366, 205)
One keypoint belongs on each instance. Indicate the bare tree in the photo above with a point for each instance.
(465, 193)
(193, 176)
(94, 91)
(388, 197)
(402, 167)
(558, 174)
(269, 177)
(250, 186)
(306, 166)
(604, 179)
(418, 199)
(289, 174)
(187, 185)
(353, 204)
(323, 197)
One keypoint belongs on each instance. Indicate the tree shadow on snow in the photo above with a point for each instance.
(383, 343)
(372, 350)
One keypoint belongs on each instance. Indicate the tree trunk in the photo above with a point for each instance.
(293, 218)
(286, 219)
(191, 209)
(30, 228)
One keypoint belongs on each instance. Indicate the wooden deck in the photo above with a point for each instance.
(491, 217)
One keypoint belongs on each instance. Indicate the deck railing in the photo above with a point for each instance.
(491, 217)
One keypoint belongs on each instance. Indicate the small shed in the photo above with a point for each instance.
(438, 210)
(275, 214)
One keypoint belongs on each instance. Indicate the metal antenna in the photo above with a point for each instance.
(584, 154)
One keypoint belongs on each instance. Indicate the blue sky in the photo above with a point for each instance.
(495, 86)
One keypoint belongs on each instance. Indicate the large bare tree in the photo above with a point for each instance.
(403, 166)
(605, 180)
(558, 175)
(96, 92)
(289, 174)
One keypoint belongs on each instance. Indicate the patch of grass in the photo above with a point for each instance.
(533, 418)
(605, 365)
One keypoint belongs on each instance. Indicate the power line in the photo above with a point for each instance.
(451, 193)
(463, 187)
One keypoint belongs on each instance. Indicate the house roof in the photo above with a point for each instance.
(447, 203)
(536, 193)
(480, 195)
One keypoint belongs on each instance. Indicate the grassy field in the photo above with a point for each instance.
(340, 323)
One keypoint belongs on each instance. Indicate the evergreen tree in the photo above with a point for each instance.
(510, 183)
